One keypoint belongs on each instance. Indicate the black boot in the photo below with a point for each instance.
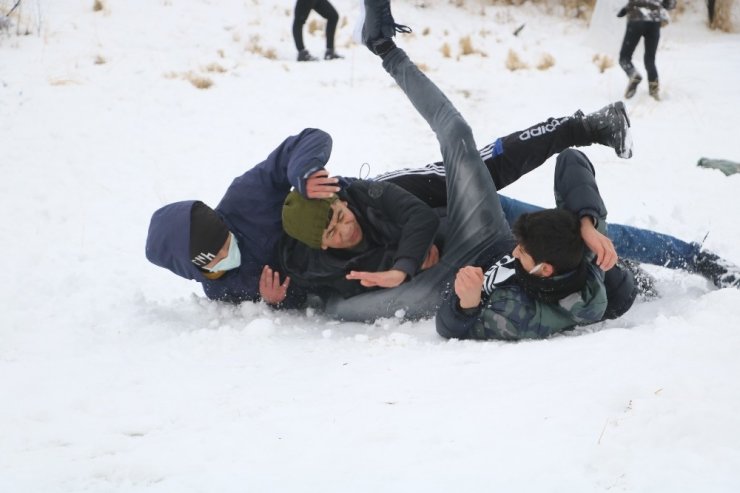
(305, 56)
(654, 89)
(722, 273)
(610, 126)
(632, 86)
(330, 54)
(379, 27)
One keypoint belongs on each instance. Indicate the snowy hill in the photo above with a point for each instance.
(117, 376)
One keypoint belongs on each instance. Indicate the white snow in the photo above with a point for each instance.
(116, 375)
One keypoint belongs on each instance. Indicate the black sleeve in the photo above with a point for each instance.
(453, 322)
(418, 223)
(575, 186)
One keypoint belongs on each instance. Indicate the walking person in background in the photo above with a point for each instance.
(644, 20)
(325, 10)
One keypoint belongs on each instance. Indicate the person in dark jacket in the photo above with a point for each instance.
(644, 20)
(326, 10)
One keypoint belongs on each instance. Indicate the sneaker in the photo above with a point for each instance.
(330, 54)
(610, 126)
(718, 270)
(654, 89)
(632, 86)
(305, 56)
(379, 27)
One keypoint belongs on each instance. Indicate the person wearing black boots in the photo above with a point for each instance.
(644, 20)
(325, 10)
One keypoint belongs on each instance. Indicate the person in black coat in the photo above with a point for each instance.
(325, 10)
(644, 20)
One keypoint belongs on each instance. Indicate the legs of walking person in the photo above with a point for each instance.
(328, 12)
(652, 37)
(300, 15)
(632, 37)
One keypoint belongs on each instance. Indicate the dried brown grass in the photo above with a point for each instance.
(602, 62)
(546, 61)
(513, 62)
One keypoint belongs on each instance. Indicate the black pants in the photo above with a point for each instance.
(325, 10)
(507, 158)
(649, 30)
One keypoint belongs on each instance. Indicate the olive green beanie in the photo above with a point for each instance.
(306, 219)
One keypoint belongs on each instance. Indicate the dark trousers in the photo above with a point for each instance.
(475, 216)
(506, 158)
(325, 10)
(649, 30)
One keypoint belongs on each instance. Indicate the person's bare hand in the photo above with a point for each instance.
(385, 279)
(271, 290)
(320, 185)
(432, 258)
(468, 284)
(602, 246)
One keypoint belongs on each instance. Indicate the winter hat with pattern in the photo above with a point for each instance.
(208, 234)
(306, 219)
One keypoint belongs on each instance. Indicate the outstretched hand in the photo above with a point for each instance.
(385, 279)
(468, 284)
(271, 290)
(320, 185)
(602, 246)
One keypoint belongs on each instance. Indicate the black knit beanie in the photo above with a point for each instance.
(208, 233)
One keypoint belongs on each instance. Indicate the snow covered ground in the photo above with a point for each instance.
(117, 376)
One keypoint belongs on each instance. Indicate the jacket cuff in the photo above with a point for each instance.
(593, 214)
(406, 265)
(312, 168)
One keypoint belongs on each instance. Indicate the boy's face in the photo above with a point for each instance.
(524, 258)
(343, 230)
(541, 270)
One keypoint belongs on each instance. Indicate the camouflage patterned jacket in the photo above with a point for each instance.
(507, 311)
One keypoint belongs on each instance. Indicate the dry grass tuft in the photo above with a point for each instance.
(214, 68)
(254, 46)
(603, 62)
(513, 62)
(63, 82)
(423, 67)
(100, 60)
(314, 25)
(446, 50)
(723, 16)
(98, 5)
(546, 61)
(426, 31)
(198, 81)
(466, 46)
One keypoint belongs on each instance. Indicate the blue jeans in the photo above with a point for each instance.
(641, 245)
